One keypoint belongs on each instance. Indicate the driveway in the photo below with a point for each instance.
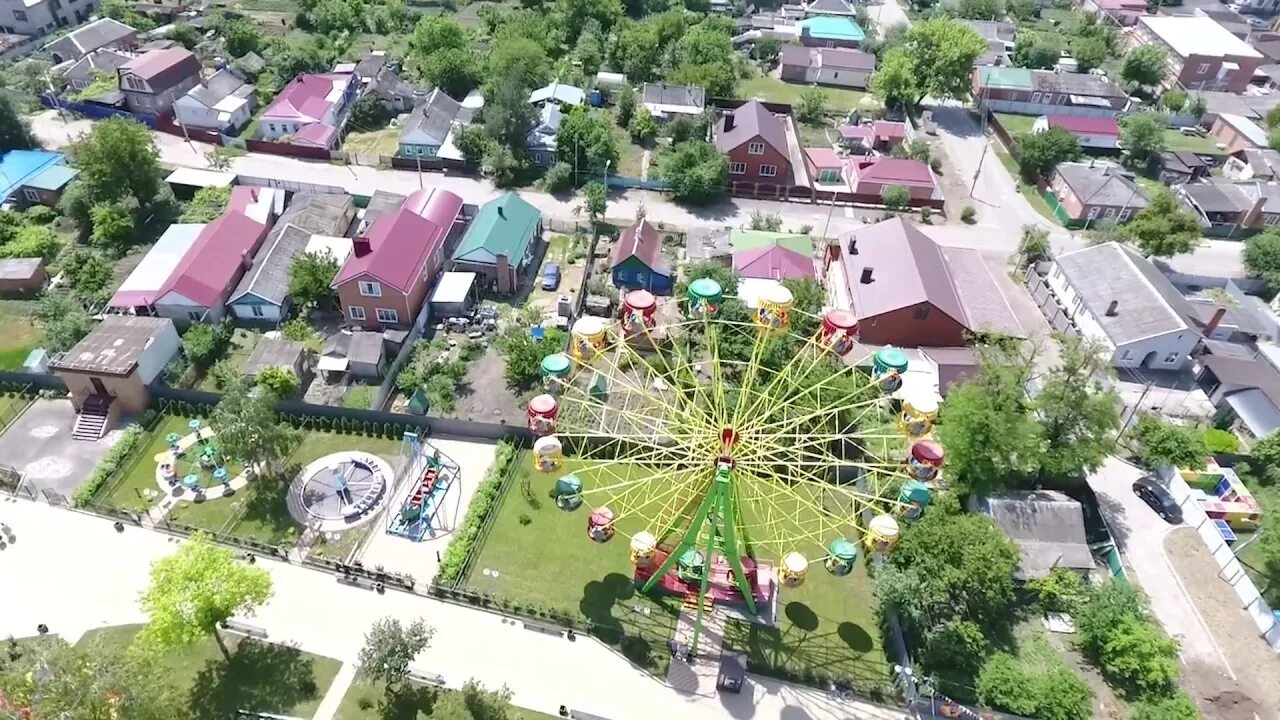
(887, 14)
(39, 445)
(1140, 534)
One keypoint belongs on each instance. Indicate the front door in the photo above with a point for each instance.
(98, 387)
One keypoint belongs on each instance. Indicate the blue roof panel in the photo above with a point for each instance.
(19, 166)
(54, 177)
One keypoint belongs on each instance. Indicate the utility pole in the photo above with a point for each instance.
(1134, 413)
(418, 157)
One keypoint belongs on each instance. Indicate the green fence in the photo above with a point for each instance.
(1058, 211)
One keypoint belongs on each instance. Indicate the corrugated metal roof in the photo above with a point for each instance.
(907, 268)
(1108, 272)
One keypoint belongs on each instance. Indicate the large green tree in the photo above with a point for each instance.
(250, 430)
(944, 51)
(521, 60)
(474, 702)
(196, 589)
(1144, 65)
(112, 227)
(1142, 136)
(697, 171)
(586, 142)
(207, 204)
(1163, 228)
(523, 354)
(15, 134)
(1077, 414)
(63, 319)
(311, 279)
(1039, 153)
(389, 648)
(1163, 444)
(508, 115)
(895, 82)
(117, 159)
(1262, 257)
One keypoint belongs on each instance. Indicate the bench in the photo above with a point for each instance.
(241, 628)
(544, 629)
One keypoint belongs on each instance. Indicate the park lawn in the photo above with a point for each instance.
(260, 676)
(630, 155)
(18, 334)
(364, 701)
(359, 397)
(771, 89)
(11, 406)
(1174, 140)
(381, 142)
(140, 469)
(1016, 124)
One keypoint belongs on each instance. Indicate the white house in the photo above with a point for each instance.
(222, 102)
(1116, 297)
(827, 66)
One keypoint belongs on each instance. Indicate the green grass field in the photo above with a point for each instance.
(11, 406)
(18, 335)
(1174, 140)
(827, 625)
(380, 142)
(366, 700)
(771, 89)
(260, 677)
(1016, 124)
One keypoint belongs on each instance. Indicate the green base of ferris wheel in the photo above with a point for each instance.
(719, 514)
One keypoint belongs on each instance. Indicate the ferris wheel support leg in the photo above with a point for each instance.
(729, 510)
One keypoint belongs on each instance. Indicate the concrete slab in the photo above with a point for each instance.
(39, 445)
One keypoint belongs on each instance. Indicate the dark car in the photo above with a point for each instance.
(551, 277)
(1158, 498)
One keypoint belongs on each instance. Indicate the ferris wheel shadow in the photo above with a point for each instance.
(622, 617)
(808, 648)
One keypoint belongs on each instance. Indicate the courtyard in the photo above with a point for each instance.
(39, 445)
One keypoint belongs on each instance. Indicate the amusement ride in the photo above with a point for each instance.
(733, 446)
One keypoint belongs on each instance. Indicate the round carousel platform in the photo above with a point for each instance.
(339, 491)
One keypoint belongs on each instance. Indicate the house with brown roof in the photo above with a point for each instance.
(1096, 194)
(827, 66)
(636, 260)
(870, 177)
(153, 81)
(908, 291)
(755, 140)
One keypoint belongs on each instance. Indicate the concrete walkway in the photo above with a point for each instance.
(333, 697)
(74, 572)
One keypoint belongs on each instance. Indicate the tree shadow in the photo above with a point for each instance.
(410, 702)
(268, 504)
(259, 677)
(599, 597)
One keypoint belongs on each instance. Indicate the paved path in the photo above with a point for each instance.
(333, 696)
(74, 572)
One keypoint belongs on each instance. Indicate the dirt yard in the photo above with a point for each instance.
(1255, 691)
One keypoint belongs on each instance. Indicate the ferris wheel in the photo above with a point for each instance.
(733, 446)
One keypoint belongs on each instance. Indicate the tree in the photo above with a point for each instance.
(523, 354)
(894, 81)
(1034, 246)
(586, 141)
(295, 55)
(32, 241)
(1090, 52)
(389, 648)
(1142, 136)
(638, 51)
(768, 222)
(117, 159)
(1006, 684)
(685, 128)
(1144, 66)
(519, 59)
(204, 343)
(697, 171)
(596, 197)
(15, 134)
(456, 71)
(992, 441)
(1038, 50)
(206, 204)
(503, 167)
(575, 14)
(369, 113)
(944, 51)
(1163, 444)
(1163, 228)
(1137, 653)
(29, 77)
(196, 589)
(915, 149)
(51, 678)
(643, 127)
(434, 33)
(590, 49)
(472, 143)
(1174, 707)
(768, 50)
(558, 178)
(250, 430)
(1174, 99)
(185, 35)
(1023, 10)
(1077, 413)
(1039, 153)
(626, 106)
(980, 9)
(63, 320)
(474, 702)
(508, 115)
(112, 227)
(282, 382)
(812, 105)
(241, 37)
(895, 197)
(87, 274)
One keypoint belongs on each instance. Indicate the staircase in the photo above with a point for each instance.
(91, 422)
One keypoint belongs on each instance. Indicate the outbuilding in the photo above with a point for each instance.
(22, 275)
(454, 295)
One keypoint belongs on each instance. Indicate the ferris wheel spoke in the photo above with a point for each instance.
(685, 408)
(787, 373)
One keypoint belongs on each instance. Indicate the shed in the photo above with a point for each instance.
(276, 352)
(1048, 528)
(454, 294)
(358, 353)
(19, 275)
(185, 181)
(733, 672)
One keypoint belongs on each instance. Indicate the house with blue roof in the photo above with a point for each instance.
(830, 31)
(34, 177)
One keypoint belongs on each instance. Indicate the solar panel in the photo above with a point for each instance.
(1225, 530)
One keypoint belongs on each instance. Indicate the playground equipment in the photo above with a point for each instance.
(729, 465)
(193, 462)
(429, 475)
(339, 489)
(1223, 496)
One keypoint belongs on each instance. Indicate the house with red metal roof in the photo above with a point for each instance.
(755, 140)
(871, 176)
(199, 286)
(773, 262)
(1102, 133)
(393, 263)
(154, 80)
(311, 110)
(636, 260)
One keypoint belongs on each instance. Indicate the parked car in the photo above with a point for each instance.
(551, 277)
(1158, 498)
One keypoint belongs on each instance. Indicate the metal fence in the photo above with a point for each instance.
(1048, 304)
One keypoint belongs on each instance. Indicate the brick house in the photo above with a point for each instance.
(1096, 194)
(870, 176)
(1238, 133)
(1202, 55)
(756, 142)
(1044, 92)
(153, 81)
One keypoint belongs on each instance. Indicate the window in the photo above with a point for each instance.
(755, 148)
(921, 312)
(34, 196)
(19, 15)
(1093, 213)
(356, 312)
(370, 289)
(133, 82)
(1126, 355)
(194, 315)
(257, 310)
(1111, 212)
(768, 170)
(1204, 68)
(829, 176)
(1035, 97)
(737, 168)
(1171, 358)
(386, 315)
(1124, 214)
(1268, 220)
(271, 127)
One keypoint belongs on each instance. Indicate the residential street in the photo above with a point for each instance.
(97, 575)
(1002, 211)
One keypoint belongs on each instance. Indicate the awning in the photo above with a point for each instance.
(1255, 411)
(193, 177)
(328, 363)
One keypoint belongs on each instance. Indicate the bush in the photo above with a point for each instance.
(558, 178)
(1220, 441)
(1060, 592)
(40, 215)
(486, 496)
(968, 214)
(1175, 707)
(1118, 635)
(107, 468)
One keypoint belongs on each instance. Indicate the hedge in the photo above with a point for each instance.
(110, 463)
(482, 503)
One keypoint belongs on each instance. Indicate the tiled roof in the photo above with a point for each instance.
(399, 244)
(748, 122)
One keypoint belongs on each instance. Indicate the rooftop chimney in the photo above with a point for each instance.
(866, 276)
(1113, 309)
(502, 213)
(361, 246)
(728, 122)
(853, 246)
(1214, 321)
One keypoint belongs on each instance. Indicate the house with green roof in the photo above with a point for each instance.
(1023, 91)
(830, 31)
(500, 243)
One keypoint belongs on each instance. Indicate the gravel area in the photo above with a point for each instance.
(1256, 691)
